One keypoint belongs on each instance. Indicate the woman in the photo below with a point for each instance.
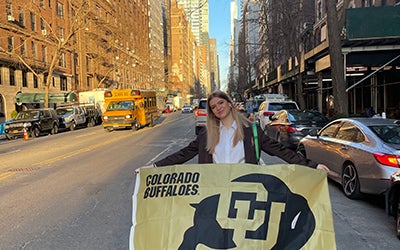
(228, 138)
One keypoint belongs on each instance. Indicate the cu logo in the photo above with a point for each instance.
(289, 210)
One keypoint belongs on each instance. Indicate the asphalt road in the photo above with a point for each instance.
(74, 190)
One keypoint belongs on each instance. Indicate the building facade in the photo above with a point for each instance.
(62, 46)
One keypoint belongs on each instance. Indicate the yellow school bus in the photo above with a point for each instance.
(129, 108)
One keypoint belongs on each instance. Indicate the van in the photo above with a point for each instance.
(272, 104)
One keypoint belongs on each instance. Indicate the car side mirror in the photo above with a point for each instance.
(313, 132)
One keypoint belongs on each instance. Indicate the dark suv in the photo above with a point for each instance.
(36, 121)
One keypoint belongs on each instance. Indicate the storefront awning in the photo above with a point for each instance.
(39, 97)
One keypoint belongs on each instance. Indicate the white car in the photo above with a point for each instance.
(270, 107)
(187, 108)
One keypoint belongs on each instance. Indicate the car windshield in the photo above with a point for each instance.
(63, 111)
(203, 105)
(388, 134)
(307, 117)
(23, 115)
(275, 106)
(120, 105)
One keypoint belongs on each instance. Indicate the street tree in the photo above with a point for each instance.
(335, 20)
(285, 23)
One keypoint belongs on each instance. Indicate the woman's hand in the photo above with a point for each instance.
(148, 166)
(327, 170)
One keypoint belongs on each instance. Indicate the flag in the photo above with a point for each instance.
(231, 206)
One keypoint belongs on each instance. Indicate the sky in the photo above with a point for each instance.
(220, 28)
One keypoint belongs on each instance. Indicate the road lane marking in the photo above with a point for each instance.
(6, 175)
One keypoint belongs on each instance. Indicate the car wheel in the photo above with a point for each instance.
(35, 132)
(54, 130)
(73, 126)
(301, 151)
(350, 182)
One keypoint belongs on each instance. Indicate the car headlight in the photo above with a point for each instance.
(27, 124)
(105, 117)
(128, 116)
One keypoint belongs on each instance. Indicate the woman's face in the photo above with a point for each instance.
(220, 107)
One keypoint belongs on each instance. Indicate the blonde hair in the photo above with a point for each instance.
(213, 122)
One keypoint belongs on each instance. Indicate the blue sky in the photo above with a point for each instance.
(219, 27)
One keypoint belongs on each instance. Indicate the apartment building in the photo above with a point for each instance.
(52, 49)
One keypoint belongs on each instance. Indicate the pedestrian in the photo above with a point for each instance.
(229, 138)
(250, 106)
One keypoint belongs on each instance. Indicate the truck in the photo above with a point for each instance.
(177, 101)
(95, 96)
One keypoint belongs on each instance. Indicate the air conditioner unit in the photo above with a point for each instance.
(44, 32)
(10, 18)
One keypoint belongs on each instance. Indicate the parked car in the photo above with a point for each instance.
(170, 106)
(71, 117)
(363, 152)
(36, 122)
(271, 106)
(289, 126)
(393, 200)
(200, 115)
(187, 108)
(93, 114)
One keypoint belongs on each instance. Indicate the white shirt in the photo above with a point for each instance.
(225, 152)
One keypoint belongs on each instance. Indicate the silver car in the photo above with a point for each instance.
(363, 152)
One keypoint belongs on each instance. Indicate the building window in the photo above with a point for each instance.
(10, 43)
(24, 79)
(42, 24)
(35, 82)
(34, 50)
(12, 77)
(63, 83)
(61, 33)
(44, 53)
(87, 64)
(41, 3)
(49, 3)
(21, 20)
(60, 9)
(88, 81)
(53, 81)
(33, 21)
(319, 10)
(23, 47)
(62, 61)
(9, 10)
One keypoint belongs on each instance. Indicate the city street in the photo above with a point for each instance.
(73, 190)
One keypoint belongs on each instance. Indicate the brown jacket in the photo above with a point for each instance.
(269, 146)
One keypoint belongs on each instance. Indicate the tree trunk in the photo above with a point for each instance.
(336, 59)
